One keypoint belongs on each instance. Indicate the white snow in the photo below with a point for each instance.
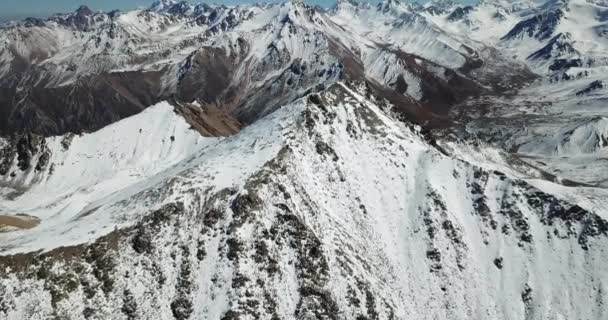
(79, 200)
(380, 199)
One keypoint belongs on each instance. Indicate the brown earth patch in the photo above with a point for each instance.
(20, 221)
(209, 121)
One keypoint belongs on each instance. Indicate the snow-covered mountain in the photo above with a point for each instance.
(238, 58)
(562, 42)
(549, 36)
(284, 161)
(329, 207)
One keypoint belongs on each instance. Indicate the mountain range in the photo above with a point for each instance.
(285, 161)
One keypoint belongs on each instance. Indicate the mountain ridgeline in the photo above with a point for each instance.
(285, 161)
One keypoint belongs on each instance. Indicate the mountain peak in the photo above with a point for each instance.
(342, 4)
(438, 7)
(84, 11)
(391, 3)
(162, 5)
(298, 3)
(388, 5)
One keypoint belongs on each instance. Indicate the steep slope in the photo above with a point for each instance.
(327, 208)
(396, 23)
(64, 179)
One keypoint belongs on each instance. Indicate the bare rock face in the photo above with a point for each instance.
(541, 26)
(209, 121)
(29, 151)
(207, 75)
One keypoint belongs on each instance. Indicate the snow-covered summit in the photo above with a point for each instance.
(163, 5)
(326, 200)
(283, 161)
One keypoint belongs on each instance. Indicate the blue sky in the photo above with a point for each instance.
(21, 8)
(45, 7)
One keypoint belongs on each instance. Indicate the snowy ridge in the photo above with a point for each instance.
(317, 228)
(81, 173)
(396, 161)
(486, 21)
(585, 139)
(79, 199)
(397, 24)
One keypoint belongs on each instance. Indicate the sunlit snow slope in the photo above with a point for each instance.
(385, 161)
(327, 208)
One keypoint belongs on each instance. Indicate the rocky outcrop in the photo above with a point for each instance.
(540, 27)
(28, 151)
(209, 121)
(593, 86)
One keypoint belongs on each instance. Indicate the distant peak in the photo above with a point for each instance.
(388, 5)
(162, 5)
(176, 7)
(84, 11)
(439, 7)
(346, 3)
(202, 7)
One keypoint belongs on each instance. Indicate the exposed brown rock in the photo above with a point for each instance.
(209, 121)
